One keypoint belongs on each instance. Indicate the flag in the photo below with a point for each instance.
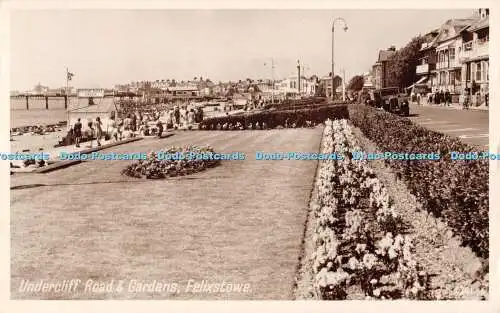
(70, 75)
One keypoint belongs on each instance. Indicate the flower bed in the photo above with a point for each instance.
(154, 168)
(359, 240)
(457, 191)
(276, 119)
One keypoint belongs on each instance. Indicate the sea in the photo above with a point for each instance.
(38, 114)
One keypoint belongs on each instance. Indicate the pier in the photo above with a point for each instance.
(46, 98)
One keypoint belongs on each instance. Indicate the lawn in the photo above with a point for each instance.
(240, 223)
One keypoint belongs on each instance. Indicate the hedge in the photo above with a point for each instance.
(305, 106)
(456, 191)
(273, 119)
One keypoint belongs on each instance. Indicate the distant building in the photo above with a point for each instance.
(455, 58)
(426, 63)
(380, 78)
(325, 84)
(184, 91)
(290, 86)
(40, 89)
(368, 81)
(448, 45)
(475, 56)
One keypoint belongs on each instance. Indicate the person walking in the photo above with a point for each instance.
(177, 115)
(169, 117)
(191, 117)
(133, 123)
(91, 132)
(465, 96)
(77, 131)
(127, 122)
(447, 98)
(98, 128)
(114, 129)
(159, 124)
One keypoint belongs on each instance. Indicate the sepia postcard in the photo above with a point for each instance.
(320, 157)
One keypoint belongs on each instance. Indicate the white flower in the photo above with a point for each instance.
(392, 253)
(369, 260)
(353, 263)
(360, 247)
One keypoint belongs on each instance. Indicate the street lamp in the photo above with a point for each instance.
(272, 82)
(333, 50)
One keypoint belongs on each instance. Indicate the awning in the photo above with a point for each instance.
(419, 82)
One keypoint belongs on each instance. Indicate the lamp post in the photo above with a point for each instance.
(333, 50)
(272, 76)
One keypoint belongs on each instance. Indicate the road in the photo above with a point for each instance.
(470, 126)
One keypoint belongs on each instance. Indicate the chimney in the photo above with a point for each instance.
(392, 48)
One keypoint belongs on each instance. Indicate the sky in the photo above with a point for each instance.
(107, 47)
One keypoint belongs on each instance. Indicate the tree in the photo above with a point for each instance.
(401, 66)
(356, 83)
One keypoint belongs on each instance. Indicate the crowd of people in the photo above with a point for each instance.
(445, 98)
(139, 123)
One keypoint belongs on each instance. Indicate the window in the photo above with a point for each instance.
(484, 74)
(452, 78)
(452, 54)
(478, 71)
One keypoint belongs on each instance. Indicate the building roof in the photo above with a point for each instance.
(482, 23)
(451, 29)
(328, 77)
(384, 55)
(183, 88)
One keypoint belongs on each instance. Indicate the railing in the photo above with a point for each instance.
(448, 64)
(476, 48)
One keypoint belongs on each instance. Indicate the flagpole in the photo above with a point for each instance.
(272, 68)
(67, 99)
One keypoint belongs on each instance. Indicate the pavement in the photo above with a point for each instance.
(456, 106)
(470, 126)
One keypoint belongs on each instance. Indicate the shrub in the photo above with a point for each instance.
(456, 191)
(273, 119)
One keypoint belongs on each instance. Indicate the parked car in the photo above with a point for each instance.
(391, 99)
